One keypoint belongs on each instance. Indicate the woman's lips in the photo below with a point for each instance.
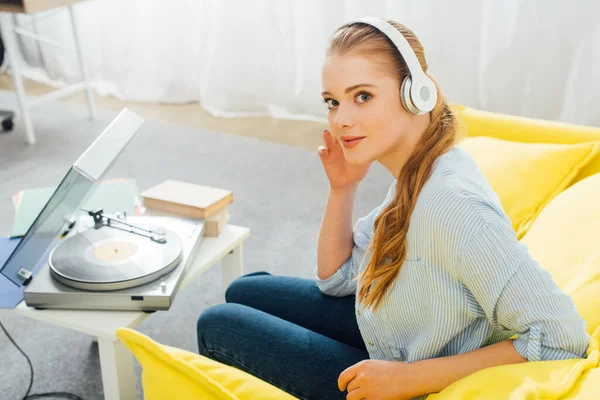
(351, 143)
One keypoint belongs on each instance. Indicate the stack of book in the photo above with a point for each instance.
(192, 201)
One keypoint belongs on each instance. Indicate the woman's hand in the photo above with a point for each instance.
(341, 174)
(379, 380)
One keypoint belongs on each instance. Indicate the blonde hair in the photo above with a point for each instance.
(388, 244)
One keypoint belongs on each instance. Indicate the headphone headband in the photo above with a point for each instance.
(419, 93)
(410, 58)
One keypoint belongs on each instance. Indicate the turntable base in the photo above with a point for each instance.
(45, 291)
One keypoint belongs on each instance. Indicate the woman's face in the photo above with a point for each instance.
(364, 102)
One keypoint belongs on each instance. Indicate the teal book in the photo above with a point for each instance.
(112, 196)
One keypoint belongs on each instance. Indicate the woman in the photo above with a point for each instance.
(428, 288)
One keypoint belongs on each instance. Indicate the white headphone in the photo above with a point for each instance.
(417, 92)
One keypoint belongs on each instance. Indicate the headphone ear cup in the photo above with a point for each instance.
(424, 95)
(405, 96)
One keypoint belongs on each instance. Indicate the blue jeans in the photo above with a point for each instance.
(284, 331)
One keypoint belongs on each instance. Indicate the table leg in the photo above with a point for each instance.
(118, 374)
(9, 38)
(233, 265)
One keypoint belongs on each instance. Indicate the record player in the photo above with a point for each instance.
(72, 258)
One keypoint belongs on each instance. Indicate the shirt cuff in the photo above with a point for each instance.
(334, 281)
(529, 345)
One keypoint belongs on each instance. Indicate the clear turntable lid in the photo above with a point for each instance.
(74, 189)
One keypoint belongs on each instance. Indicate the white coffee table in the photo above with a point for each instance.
(116, 362)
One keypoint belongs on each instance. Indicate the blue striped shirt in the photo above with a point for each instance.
(467, 281)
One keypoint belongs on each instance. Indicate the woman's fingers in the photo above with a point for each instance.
(322, 150)
(329, 139)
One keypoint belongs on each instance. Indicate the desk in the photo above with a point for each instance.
(8, 8)
(116, 361)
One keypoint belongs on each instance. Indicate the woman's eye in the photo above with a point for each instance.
(331, 103)
(363, 97)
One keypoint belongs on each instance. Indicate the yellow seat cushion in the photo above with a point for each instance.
(170, 373)
(475, 122)
(573, 379)
(526, 176)
(565, 240)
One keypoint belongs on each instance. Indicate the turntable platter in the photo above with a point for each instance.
(111, 259)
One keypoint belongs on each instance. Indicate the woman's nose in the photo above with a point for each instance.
(343, 118)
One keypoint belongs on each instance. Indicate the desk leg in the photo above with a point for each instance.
(118, 374)
(84, 77)
(10, 43)
(233, 265)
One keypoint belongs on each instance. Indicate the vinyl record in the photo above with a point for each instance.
(110, 259)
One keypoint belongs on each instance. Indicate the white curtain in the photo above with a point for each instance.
(536, 58)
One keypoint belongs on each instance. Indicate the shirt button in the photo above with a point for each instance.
(371, 344)
(358, 312)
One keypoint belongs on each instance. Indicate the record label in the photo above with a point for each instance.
(115, 251)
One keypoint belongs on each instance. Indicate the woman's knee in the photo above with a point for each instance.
(241, 287)
(213, 320)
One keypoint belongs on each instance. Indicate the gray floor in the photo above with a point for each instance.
(279, 192)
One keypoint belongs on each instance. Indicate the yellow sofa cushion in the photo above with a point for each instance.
(565, 240)
(526, 176)
(475, 122)
(170, 373)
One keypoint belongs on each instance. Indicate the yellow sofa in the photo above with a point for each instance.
(557, 216)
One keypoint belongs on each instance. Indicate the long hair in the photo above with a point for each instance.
(387, 248)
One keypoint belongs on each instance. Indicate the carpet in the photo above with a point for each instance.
(279, 193)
